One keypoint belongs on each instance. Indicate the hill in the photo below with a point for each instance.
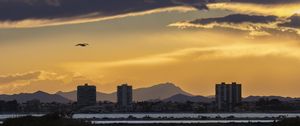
(185, 98)
(39, 95)
(162, 91)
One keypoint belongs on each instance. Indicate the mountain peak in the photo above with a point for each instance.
(159, 91)
(162, 91)
(40, 92)
(59, 92)
(165, 85)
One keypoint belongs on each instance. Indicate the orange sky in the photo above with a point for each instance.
(144, 50)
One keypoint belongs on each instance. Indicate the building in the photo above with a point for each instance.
(86, 95)
(124, 95)
(228, 96)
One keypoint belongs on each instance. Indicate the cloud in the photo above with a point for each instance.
(30, 76)
(41, 80)
(237, 18)
(19, 77)
(266, 1)
(190, 55)
(238, 51)
(140, 61)
(255, 25)
(29, 13)
(293, 22)
(281, 8)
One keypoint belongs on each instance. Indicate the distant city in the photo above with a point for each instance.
(166, 97)
(227, 96)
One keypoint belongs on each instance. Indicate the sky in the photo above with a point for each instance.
(191, 43)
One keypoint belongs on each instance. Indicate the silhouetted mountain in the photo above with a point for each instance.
(160, 91)
(185, 98)
(256, 98)
(39, 95)
(72, 95)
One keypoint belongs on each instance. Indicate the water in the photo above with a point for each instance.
(180, 121)
(119, 118)
(176, 121)
(186, 115)
(6, 116)
(167, 115)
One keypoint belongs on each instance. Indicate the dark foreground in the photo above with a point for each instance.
(233, 124)
(61, 120)
(47, 120)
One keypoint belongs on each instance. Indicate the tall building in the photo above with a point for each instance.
(124, 95)
(86, 95)
(228, 96)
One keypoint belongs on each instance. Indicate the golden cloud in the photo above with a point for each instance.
(256, 25)
(94, 17)
(281, 10)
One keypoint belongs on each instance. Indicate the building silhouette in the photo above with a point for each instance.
(86, 95)
(228, 96)
(124, 95)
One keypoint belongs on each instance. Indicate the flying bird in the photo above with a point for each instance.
(82, 44)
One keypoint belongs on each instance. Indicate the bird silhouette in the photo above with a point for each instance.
(82, 44)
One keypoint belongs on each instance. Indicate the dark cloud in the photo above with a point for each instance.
(19, 77)
(237, 18)
(17, 10)
(255, 25)
(266, 1)
(293, 22)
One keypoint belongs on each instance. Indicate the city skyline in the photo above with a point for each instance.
(144, 43)
(124, 95)
(184, 92)
(228, 96)
(137, 88)
(86, 95)
(149, 62)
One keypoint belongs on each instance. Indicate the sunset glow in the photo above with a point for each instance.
(191, 46)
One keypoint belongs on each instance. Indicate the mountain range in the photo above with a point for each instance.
(159, 91)
(185, 98)
(39, 95)
(167, 92)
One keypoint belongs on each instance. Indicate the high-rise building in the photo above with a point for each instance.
(124, 95)
(228, 96)
(86, 95)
